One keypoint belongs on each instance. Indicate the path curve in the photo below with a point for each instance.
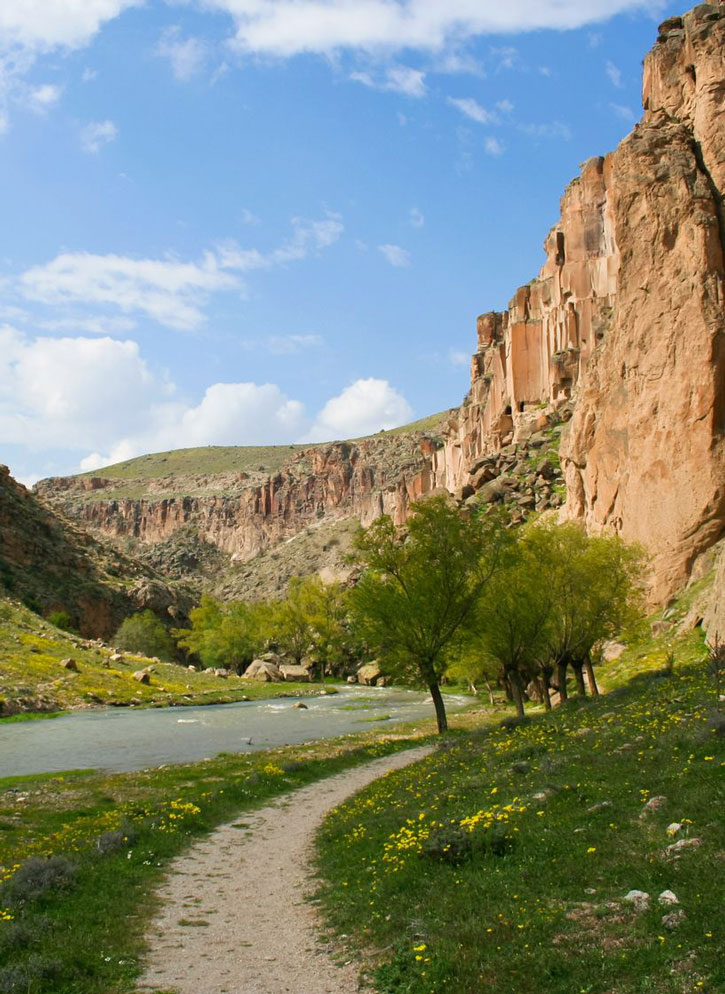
(234, 918)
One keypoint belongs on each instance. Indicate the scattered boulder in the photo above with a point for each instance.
(301, 706)
(639, 898)
(352, 679)
(599, 806)
(668, 898)
(223, 673)
(369, 674)
(674, 918)
(681, 846)
(612, 650)
(116, 657)
(264, 670)
(69, 664)
(654, 804)
(142, 676)
(674, 829)
(292, 672)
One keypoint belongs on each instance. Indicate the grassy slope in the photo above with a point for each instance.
(32, 677)
(563, 796)
(230, 459)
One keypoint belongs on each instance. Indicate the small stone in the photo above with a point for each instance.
(675, 828)
(668, 898)
(116, 657)
(674, 918)
(300, 706)
(639, 898)
(600, 806)
(69, 664)
(141, 676)
(590, 890)
(521, 768)
(654, 804)
(682, 845)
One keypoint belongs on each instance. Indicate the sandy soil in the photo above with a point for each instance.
(234, 918)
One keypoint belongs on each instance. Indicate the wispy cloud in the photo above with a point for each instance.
(396, 79)
(473, 110)
(622, 111)
(614, 75)
(494, 147)
(96, 135)
(549, 130)
(395, 255)
(187, 56)
(416, 217)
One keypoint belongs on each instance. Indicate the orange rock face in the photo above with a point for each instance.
(645, 456)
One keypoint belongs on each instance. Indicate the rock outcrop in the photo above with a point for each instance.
(645, 456)
(53, 565)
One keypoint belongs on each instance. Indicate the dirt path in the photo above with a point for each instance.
(234, 917)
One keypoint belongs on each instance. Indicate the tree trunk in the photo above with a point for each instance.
(561, 668)
(518, 694)
(577, 666)
(435, 693)
(543, 682)
(594, 689)
(489, 688)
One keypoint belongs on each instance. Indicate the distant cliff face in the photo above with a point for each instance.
(380, 475)
(624, 326)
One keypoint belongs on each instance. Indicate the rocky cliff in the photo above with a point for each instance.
(623, 327)
(53, 565)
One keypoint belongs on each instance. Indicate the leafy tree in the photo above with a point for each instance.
(311, 620)
(62, 620)
(596, 590)
(421, 587)
(226, 635)
(510, 620)
(145, 633)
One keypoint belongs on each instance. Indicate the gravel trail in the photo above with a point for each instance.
(234, 918)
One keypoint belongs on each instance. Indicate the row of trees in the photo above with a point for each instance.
(451, 595)
(468, 596)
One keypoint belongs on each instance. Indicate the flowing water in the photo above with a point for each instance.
(130, 739)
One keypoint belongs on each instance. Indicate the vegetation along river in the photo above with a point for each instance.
(130, 739)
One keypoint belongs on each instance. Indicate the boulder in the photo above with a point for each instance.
(69, 664)
(142, 676)
(369, 674)
(263, 670)
(292, 672)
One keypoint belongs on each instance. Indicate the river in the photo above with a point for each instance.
(132, 739)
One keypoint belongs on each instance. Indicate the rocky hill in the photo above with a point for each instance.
(622, 329)
(53, 565)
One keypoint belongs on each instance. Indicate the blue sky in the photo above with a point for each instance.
(257, 221)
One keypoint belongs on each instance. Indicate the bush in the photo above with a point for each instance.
(146, 634)
(33, 974)
(62, 620)
(39, 876)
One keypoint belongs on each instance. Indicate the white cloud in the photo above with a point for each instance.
(471, 108)
(494, 147)
(551, 129)
(398, 79)
(416, 217)
(88, 74)
(249, 218)
(169, 291)
(285, 28)
(622, 111)
(44, 25)
(505, 106)
(186, 55)
(97, 134)
(614, 75)
(285, 344)
(396, 256)
(94, 325)
(459, 358)
(363, 408)
(41, 98)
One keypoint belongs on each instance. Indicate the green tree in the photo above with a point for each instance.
(596, 586)
(510, 620)
(421, 587)
(145, 633)
(228, 635)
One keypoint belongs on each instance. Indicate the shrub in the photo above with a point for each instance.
(62, 620)
(146, 634)
(39, 876)
(33, 974)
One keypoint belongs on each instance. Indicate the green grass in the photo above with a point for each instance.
(213, 459)
(34, 683)
(501, 863)
(117, 834)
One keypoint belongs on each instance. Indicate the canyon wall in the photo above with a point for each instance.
(622, 331)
